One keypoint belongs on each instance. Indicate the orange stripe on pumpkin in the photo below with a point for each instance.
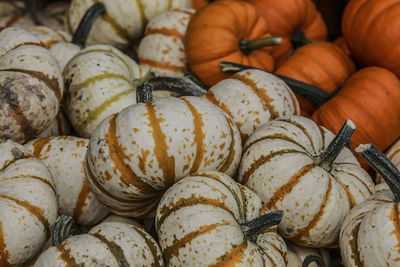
(152, 245)
(229, 159)
(114, 248)
(80, 202)
(66, 256)
(38, 146)
(166, 32)
(394, 217)
(302, 128)
(4, 255)
(232, 258)
(159, 65)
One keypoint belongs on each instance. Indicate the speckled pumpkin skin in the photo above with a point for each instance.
(107, 244)
(28, 205)
(64, 156)
(278, 165)
(162, 46)
(99, 81)
(198, 221)
(369, 235)
(31, 86)
(135, 155)
(252, 98)
(123, 22)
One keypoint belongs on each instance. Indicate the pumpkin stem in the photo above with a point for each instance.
(326, 159)
(17, 153)
(32, 9)
(64, 228)
(85, 25)
(190, 76)
(317, 95)
(299, 38)
(383, 166)
(144, 92)
(247, 46)
(313, 258)
(253, 228)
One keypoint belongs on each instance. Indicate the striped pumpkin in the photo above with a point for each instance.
(107, 244)
(59, 126)
(123, 21)
(31, 86)
(64, 156)
(199, 222)
(252, 98)
(135, 155)
(280, 163)
(296, 255)
(28, 204)
(162, 47)
(99, 81)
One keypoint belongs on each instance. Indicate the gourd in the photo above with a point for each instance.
(297, 255)
(64, 156)
(162, 46)
(282, 162)
(207, 219)
(31, 86)
(136, 154)
(28, 204)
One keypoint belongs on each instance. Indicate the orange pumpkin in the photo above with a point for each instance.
(341, 43)
(371, 30)
(285, 17)
(371, 99)
(197, 4)
(221, 32)
(321, 64)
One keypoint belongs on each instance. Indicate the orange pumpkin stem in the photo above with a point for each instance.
(313, 258)
(326, 159)
(248, 46)
(383, 166)
(85, 25)
(64, 228)
(256, 226)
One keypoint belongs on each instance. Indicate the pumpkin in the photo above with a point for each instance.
(28, 204)
(99, 81)
(73, 192)
(53, 15)
(341, 43)
(12, 14)
(286, 17)
(122, 22)
(370, 98)
(370, 30)
(227, 31)
(369, 233)
(297, 255)
(107, 244)
(135, 155)
(59, 126)
(282, 162)
(252, 98)
(208, 219)
(197, 4)
(393, 155)
(31, 86)
(321, 64)
(162, 47)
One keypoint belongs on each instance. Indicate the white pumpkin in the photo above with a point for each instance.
(135, 155)
(370, 233)
(53, 15)
(64, 156)
(28, 204)
(99, 81)
(162, 48)
(296, 255)
(282, 163)
(11, 14)
(31, 86)
(200, 222)
(252, 98)
(123, 21)
(59, 126)
(107, 244)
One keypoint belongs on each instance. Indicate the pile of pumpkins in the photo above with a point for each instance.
(199, 133)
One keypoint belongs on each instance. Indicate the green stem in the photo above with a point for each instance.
(256, 226)
(316, 94)
(383, 166)
(313, 258)
(248, 46)
(64, 228)
(326, 159)
(85, 25)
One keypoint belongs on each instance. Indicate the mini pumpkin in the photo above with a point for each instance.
(31, 85)
(122, 21)
(298, 255)
(321, 64)
(227, 31)
(107, 244)
(162, 47)
(208, 219)
(73, 192)
(283, 161)
(28, 204)
(59, 126)
(135, 155)
(369, 233)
